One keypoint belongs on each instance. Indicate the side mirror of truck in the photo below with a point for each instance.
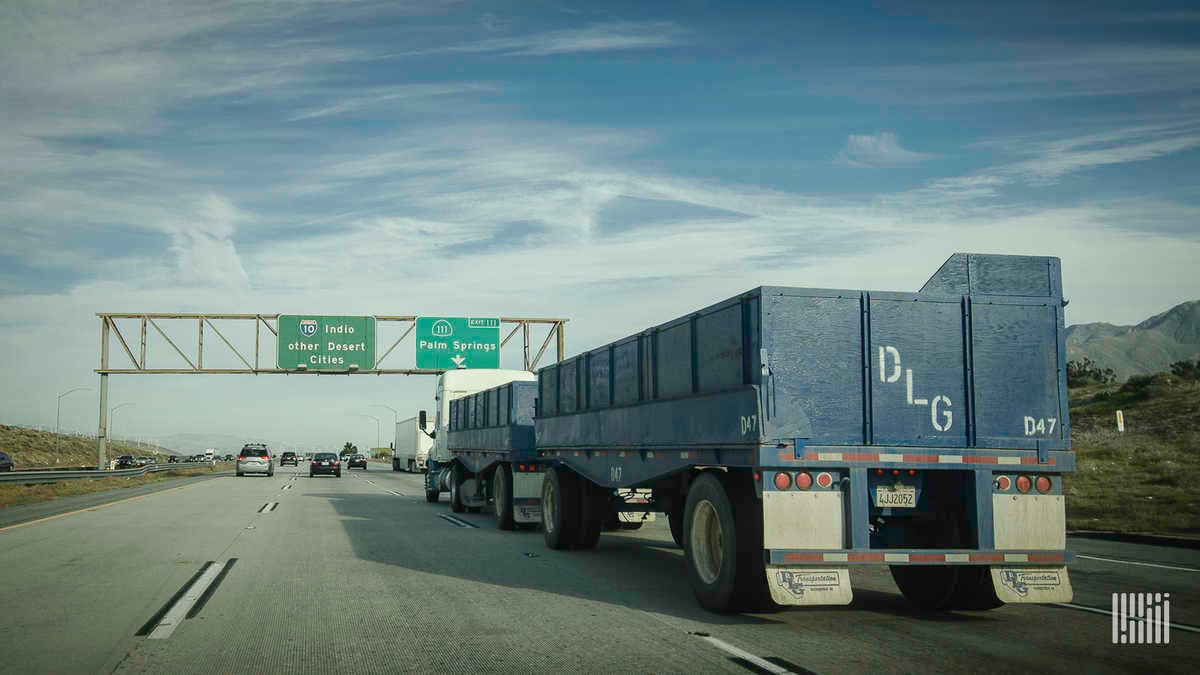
(421, 421)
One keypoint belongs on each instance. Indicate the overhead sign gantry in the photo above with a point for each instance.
(310, 344)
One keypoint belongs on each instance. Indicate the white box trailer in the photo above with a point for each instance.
(412, 445)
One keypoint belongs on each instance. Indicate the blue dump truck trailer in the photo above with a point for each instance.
(790, 433)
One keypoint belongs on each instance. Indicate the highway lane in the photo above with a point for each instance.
(344, 575)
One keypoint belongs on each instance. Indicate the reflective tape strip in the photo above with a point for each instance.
(921, 558)
(911, 458)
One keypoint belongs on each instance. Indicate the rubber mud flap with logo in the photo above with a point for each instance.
(804, 586)
(1032, 584)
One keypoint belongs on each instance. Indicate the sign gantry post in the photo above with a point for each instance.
(312, 344)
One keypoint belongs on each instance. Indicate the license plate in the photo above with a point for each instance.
(324, 463)
(895, 497)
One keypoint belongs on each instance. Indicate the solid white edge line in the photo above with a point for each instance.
(179, 610)
(745, 655)
(1095, 610)
(274, 505)
(1139, 564)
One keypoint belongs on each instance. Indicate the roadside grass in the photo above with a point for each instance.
(33, 449)
(1147, 478)
(14, 494)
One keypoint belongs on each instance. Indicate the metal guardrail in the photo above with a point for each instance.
(31, 477)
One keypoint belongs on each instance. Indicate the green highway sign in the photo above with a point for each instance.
(337, 343)
(450, 342)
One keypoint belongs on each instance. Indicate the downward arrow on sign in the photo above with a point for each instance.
(458, 360)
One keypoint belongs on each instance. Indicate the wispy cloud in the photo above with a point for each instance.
(881, 151)
(607, 37)
(402, 96)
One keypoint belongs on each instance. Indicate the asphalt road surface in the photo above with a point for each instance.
(359, 574)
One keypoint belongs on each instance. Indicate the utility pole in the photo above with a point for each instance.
(112, 416)
(58, 419)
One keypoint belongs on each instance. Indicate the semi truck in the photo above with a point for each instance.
(412, 446)
(493, 465)
(790, 434)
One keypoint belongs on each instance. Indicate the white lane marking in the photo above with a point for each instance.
(179, 610)
(451, 519)
(1139, 564)
(274, 505)
(744, 655)
(1105, 612)
(393, 492)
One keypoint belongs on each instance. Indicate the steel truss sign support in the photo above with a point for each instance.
(243, 361)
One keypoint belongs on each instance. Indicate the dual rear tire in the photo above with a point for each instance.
(573, 510)
(723, 544)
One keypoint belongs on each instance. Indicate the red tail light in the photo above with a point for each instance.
(1043, 484)
(1003, 483)
(803, 480)
(782, 480)
(824, 479)
(1023, 483)
(241, 458)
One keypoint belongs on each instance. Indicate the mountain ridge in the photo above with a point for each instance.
(1147, 347)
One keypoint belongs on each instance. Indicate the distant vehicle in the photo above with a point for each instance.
(126, 462)
(357, 461)
(228, 458)
(289, 458)
(210, 454)
(325, 462)
(255, 458)
(412, 445)
(172, 459)
(143, 461)
(6, 462)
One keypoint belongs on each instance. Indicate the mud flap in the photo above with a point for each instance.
(804, 586)
(1032, 584)
(528, 513)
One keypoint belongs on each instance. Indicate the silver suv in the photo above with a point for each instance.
(255, 458)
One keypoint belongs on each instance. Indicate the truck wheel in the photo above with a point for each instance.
(456, 481)
(560, 508)
(411, 466)
(502, 491)
(722, 532)
(929, 587)
(431, 496)
(395, 465)
(593, 511)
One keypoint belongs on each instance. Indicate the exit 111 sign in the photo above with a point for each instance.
(450, 342)
(338, 343)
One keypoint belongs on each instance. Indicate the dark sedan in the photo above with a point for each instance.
(126, 462)
(325, 462)
(6, 462)
(289, 458)
(358, 461)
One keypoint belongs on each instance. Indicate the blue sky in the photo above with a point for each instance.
(618, 164)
